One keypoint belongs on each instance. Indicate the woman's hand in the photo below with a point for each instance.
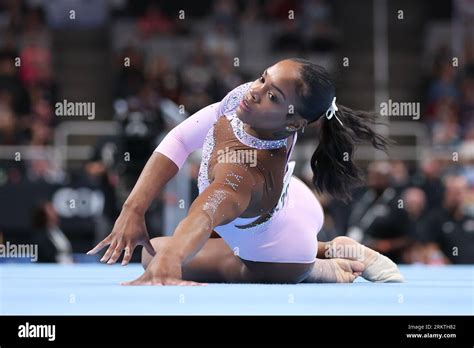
(128, 232)
(162, 271)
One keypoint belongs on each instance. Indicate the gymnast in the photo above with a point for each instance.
(266, 218)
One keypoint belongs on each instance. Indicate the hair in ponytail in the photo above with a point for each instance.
(334, 170)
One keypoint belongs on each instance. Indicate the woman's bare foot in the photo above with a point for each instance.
(335, 271)
(378, 268)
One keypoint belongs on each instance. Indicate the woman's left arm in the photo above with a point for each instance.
(225, 199)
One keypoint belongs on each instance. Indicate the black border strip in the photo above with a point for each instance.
(242, 330)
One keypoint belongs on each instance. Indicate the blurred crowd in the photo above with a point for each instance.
(450, 98)
(209, 71)
(29, 171)
(28, 89)
(422, 213)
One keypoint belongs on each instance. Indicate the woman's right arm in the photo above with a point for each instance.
(129, 229)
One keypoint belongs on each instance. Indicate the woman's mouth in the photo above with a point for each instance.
(244, 105)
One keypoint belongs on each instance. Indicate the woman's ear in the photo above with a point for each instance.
(297, 123)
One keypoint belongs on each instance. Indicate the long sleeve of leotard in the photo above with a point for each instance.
(189, 135)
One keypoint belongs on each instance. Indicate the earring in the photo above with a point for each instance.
(289, 129)
(302, 131)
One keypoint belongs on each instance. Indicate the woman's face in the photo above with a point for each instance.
(270, 102)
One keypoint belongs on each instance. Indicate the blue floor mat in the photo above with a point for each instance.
(35, 289)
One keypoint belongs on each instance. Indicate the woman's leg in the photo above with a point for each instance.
(335, 271)
(214, 263)
(377, 267)
(217, 263)
(346, 248)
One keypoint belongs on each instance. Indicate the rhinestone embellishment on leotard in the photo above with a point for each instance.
(250, 140)
(208, 146)
(213, 202)
(234, 185)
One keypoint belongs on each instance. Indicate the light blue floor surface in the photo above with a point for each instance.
(34, 289)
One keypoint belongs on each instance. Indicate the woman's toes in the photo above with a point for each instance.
(383, 270)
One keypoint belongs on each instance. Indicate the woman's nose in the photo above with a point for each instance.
(255, 96)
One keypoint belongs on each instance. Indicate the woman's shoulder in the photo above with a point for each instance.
(232, 100)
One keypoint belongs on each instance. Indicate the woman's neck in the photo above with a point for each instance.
(264, 134)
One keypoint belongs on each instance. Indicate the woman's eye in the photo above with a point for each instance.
(272, 97)
(261, 79)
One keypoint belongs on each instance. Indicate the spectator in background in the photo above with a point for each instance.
(12, 14)
(226, 77)
(220, 40)
(445, 127)
(443, 83)
(449, 231)
(42, 169)
(377, 218)
(429, 180)
(197, 76)
(43, 112)
(164, 78)
(225, 13)
(8, 134)
(53, 245)
(290, 36)
(252, 12)
(414, 203)
(34, 29)
(100, 172)
(466, 155)
(400, 175)
(466, 108)
(40, 134)
(12, 93)
(154, 21)
(316, 26)
(139, 127)
(35, 62)
(450, 98)
(130, 77)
